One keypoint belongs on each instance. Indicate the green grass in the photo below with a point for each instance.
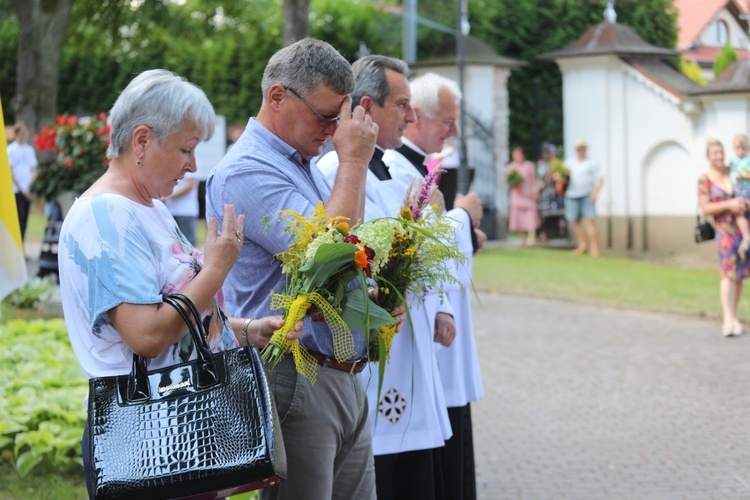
(35, 226)
(560, 274)
(56, 486)
(40, 486)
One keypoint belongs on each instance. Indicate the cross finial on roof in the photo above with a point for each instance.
(609, 13)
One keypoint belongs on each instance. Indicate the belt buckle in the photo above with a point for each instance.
(354, 366)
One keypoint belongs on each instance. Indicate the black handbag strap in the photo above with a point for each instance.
(196, 316)
(699, 215)
(207, 372)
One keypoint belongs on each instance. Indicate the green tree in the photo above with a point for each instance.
(726, 58)
(221, 46)
(41, 30)
(9, 50)
(224, 45)
(341, 24)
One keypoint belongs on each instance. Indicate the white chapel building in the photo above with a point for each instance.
(647, 124)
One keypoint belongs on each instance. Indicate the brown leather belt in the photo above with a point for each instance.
(352, 367)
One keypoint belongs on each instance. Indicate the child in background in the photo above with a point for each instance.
(739, 173)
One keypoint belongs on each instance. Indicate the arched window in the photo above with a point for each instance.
(718, 32)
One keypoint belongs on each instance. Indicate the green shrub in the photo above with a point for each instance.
(41, 398)
(726, 58)
(31, 295)
(691, 70)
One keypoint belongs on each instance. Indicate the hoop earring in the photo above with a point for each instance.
(138, 163)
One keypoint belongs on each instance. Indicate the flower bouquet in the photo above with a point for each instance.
(417, 257)
(80, 147)
(514, 178)
(561, 176)
(320, 266)
(395, 255)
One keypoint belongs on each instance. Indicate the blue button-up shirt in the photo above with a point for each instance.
(260, 175)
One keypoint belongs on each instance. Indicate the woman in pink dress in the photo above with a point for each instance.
(524, 213)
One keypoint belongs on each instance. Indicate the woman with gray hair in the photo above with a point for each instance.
(121, 251)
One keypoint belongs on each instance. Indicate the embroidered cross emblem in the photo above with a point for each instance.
(392, 405)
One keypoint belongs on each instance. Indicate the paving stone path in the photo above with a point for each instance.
(589, 402)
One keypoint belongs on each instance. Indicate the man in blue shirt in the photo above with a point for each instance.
(306, 102)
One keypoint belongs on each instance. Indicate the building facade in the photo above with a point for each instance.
(647, 125)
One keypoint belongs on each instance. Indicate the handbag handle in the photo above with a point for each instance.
(699, 215)
(138, 388)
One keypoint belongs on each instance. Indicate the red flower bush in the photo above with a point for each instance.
(80, 147)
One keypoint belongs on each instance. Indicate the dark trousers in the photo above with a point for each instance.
(458, 457)
(23, 205)
(412, 475)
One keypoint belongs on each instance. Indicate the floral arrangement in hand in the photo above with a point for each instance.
(559, 169)
(389, 257)
(416, 260)
(560, 174)
(514, 178)
(80, 147)
(319, 267)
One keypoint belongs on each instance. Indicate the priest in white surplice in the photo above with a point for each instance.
(436, 101)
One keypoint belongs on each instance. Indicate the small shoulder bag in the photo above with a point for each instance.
(704, 230)
(206, 428)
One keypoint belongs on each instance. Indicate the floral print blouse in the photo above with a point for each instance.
(113, 250)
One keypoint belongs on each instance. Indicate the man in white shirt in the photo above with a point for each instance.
(22, 158)
(585, 183)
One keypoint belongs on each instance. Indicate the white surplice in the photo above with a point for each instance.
(411, 412)
(458, 364)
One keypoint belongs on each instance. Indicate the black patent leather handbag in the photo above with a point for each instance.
(704, 230)
(203, 429)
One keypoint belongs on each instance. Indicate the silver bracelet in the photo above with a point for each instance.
(244, 329)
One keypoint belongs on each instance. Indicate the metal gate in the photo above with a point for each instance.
(481, 157)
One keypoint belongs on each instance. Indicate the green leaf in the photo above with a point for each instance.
(329, 258)
(354, 313)
(8, 428)
(26, 462)
(339, 293)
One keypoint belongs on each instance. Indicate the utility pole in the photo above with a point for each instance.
(410, 21)
(462, 22)
(409, 32)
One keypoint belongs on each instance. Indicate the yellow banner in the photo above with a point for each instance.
(12, 259)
